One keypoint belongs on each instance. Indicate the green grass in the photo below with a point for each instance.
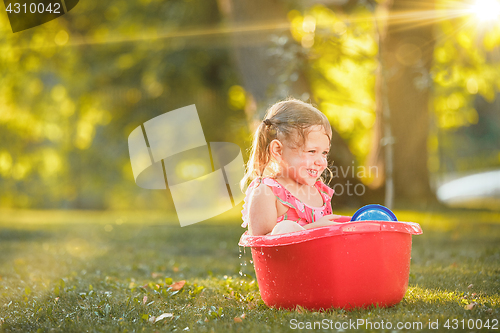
(110, 272)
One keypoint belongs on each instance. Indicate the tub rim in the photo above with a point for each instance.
(347, 228)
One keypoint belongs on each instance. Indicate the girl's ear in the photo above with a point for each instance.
(276, 150)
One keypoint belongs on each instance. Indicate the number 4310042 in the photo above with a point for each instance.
(471, 324)
(33, 8)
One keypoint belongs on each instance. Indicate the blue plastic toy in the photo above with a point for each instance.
(374, 213)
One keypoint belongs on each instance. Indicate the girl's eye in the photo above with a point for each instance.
(312, 151)
(325, 153)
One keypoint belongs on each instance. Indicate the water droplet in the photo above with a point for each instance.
(246, 270)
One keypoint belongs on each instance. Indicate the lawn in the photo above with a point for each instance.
(66, 271)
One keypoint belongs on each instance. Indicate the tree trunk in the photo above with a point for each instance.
(406, 53)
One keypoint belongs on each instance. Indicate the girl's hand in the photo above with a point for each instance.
(323, 222)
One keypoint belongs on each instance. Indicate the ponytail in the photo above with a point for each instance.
(259, 155)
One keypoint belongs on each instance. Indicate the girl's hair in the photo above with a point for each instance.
(289, 121)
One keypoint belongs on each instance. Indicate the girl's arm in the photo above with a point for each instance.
(323, 222)
(262, 212)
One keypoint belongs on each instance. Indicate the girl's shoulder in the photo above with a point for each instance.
(258, 195)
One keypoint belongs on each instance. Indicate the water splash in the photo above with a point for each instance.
(246, 270)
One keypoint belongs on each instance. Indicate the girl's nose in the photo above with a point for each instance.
(321, 161)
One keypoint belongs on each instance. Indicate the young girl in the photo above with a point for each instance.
(288, 156)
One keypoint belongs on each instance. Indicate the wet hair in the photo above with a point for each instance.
(289, 121)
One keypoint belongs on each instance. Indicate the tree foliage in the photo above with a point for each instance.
(466, 76)
(73, 89)
(342, 54)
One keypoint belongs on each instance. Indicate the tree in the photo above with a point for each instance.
(403, 97)
(273, 66)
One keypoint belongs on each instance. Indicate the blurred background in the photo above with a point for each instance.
(411, 90)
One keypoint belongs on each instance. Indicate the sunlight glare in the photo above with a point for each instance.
(486, 10)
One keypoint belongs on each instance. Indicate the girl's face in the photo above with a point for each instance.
(305, 164)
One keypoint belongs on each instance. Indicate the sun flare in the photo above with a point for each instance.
(486, 10)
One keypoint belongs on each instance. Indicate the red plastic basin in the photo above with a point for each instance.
(349, 265)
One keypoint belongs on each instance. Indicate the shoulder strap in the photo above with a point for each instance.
(279, 191)
(322, 187)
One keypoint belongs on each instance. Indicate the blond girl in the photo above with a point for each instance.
(288, 156)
